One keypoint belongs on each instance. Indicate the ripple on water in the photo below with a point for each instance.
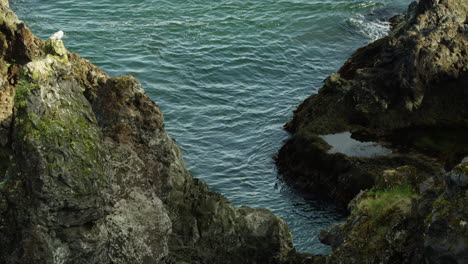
(227, 75)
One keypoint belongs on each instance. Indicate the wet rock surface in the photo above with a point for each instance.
(407, 92)
(89, 175)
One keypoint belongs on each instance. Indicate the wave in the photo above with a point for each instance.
(372, 29)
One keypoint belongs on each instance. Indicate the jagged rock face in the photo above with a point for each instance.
(208, 229)
(414, 79)
(75, 199)
(89, 175)
(336, 177)
(14, 36)
(417, 77)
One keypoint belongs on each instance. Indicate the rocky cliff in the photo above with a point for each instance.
(89, 175)
(407, 91)
(406, 94)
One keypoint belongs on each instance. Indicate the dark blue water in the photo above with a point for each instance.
(227, 75)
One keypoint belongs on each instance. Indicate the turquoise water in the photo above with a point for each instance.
(227, 75)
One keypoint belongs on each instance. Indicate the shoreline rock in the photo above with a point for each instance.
(410, 82)
(408, 92)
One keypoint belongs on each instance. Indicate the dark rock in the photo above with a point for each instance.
(413, 79)
(307, 165)
(459, 176)
(446, 225)
(416, 76)
(408, 92)
(387, 224)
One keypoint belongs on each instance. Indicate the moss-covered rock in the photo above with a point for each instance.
(56, 48)
(57, 166)
(387, 223)
(404, 218)
(17, 47)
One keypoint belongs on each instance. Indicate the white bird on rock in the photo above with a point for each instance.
(57, 35)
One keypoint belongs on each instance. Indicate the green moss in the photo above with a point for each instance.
(379, 201)
(57, 50)
(427, 142)
(23, 88)
(64, 133)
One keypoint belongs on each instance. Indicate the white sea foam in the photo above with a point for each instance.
(372, 29)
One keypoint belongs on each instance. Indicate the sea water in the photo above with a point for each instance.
(227, 75)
